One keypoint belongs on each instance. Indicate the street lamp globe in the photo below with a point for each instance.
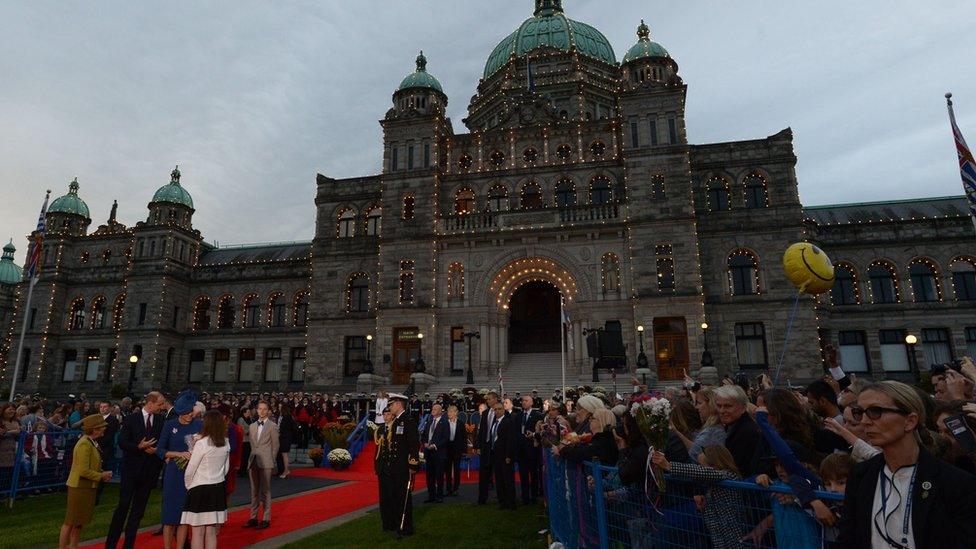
(704, 325)
(640, 328)
(911, 339)
(133, 359)
(369, 337)
(420, 335)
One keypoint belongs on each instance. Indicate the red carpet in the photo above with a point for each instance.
(305, 510)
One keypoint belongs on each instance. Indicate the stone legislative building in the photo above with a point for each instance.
(573, 179)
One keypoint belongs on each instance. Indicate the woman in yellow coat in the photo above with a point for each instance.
(86, 473)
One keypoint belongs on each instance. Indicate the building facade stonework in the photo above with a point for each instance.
(574, 181)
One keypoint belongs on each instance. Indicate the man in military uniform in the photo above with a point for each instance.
(396, 466)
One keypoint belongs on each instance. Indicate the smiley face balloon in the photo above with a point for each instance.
(808, 268)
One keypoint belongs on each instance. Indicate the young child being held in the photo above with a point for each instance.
(724, 509)
(834, 470)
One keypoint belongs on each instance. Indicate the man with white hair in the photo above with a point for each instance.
(743, 438)
(586, 405)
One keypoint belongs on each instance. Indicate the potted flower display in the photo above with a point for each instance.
(316, 455)
(340, 459)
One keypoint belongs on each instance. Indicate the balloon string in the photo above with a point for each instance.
(786, 341)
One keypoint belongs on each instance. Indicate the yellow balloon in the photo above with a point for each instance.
(808, 268)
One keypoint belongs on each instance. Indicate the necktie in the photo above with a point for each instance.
(148, 423)
(494, 432)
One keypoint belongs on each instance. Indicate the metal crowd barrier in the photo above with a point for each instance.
(42, 461)
(589, 507)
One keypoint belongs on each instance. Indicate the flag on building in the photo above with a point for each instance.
(32, 268)
(567, 323)
(967, 166)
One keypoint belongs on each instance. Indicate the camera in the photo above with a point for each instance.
(940, 369)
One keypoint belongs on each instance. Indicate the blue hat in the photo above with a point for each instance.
(184, 402)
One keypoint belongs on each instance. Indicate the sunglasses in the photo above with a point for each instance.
(874, 412)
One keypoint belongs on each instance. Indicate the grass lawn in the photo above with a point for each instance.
(36, 520)
(442, 526)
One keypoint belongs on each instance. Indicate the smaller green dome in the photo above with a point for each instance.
(10, 273)
(420, 78)
(644, 48)
(173, 193)
(70, 203)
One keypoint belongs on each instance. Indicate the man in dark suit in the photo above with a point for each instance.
(106, 443)
(140, 469)
(483, 447)
(457, 444)
(435, 439)
(503, 436)
(399, 462)
(528, 453)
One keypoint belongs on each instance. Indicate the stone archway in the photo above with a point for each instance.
(533, 318)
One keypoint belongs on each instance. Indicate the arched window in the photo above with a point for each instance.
(925, 280)
(564, 152)
(226, 312)
(465, 162)
(600, 191)
(531, 196)
(464, 201)
(347, 224)
(657, 187)
(455, 281)
(201, 313)
(754, 186)
(357, 293)
(530, 155)
(374, 217)
(598, 149)
(844, 290)
(252, 311)
(276, 310)
(106, 255)
(300, 314)
(498, 198)
(408, 206)
(718, 194)
(610, 273)
(118, 311)
(76, 314)
(98, 313)
(964, 278)
(497, 157)
(565, 192)
(743, 273)
(884, 283)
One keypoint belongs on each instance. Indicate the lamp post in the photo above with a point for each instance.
(368, 365)
(133, 360)
(419, 364)
(911, 341)
(469, 336)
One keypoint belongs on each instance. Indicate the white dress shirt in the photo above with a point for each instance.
(888, 516)
(453, 425)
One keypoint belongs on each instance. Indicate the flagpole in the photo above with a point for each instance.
(20, 344)
(562, 343)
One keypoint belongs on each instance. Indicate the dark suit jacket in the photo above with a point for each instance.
(106, 443)
(457, 446)
(403, 447)
(506, 443)
(534, 417)
(601, 447)
(744, 441)
(943, 515)
(134, 460)
(442, 434)
(483, 444)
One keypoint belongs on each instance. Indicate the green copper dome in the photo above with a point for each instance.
(420, 78)
(644, 48)
(10, 273)
(70, 203)
(549, 27)
(173, 193)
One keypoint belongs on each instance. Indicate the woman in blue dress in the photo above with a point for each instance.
(173, 447)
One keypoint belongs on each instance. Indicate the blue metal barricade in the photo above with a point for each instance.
(590, 507)
(42, 461)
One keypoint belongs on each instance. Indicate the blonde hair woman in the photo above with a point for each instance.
(712, 433)
(86, 473)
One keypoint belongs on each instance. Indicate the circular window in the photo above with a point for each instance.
(530, 155)
(497, 157)
(564, 151)
(465, 161)
(598, 148)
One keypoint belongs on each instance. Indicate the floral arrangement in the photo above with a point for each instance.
(336, 434)
(653, 415)
(181, 462)
(340, 458)
(574, 438)
(316, 453)
(553, 432)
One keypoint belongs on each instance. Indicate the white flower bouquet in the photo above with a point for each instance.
(340, 458)
(653, 415)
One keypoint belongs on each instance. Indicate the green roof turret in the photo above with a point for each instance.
(421, 78)
(645, 48)
(10, 273)
(70, 203)
(173, 193)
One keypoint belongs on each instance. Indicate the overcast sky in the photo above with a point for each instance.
(251, 99)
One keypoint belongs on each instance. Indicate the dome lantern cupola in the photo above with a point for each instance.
(547, 8)
(419, 91)
(10, 273)
(68, 214)
(171, 204)
(648, 62)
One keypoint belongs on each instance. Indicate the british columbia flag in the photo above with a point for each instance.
(33, 266)
(966, 163)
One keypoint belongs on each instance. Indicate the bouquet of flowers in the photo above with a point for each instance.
(340, 458)
(653, 414)
(553, 432)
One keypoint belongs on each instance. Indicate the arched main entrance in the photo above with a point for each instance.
(534, 318)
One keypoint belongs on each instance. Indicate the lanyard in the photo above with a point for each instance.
(908, 508)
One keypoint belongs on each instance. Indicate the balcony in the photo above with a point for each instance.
(542, 218)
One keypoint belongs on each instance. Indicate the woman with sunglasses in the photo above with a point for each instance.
(904, 498)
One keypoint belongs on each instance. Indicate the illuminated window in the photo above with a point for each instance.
(347, 224)
(665, 267)
(498, 198)
(853, 351)
(226, 312)
(925, 283)
(565, 192)
(276, 310)
(755, 191)
(600, 191)
(497, 157)
(743, 273)
(884, 287)
(464, 201)
(98, 314)
(750, 345)
(936, 347)
(374, 218)
(201, 313)
(657, 187)
(406, 282)
(598, 148)
(358, 293)
(564, 152)
(408, 207)
(530, 155)
(76, 314)
(844, 290)
(964, 279)
(465, 162)
(718, 194)
(531, 196)
(252, 311)
(300, 310)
